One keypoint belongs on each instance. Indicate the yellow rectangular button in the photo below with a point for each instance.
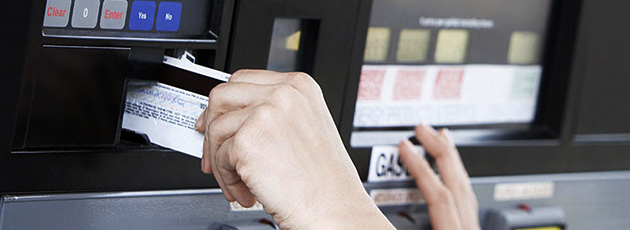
(377, 44)
(451, 46)
(523, 48)
(413, 45)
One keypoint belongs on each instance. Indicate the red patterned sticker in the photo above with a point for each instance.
(448, 84)
(370, 85)
(408, 84)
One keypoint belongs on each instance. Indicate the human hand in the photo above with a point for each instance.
(270, 137)
(451, 201)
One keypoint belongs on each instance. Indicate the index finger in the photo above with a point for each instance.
(440, 201)
(298, 80)
(441, 147)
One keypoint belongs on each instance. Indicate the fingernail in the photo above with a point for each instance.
(445, 131)
(408, 143)
(410, 146)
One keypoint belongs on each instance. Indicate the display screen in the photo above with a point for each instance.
(451, 63)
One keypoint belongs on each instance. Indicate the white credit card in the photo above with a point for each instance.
(167, 114)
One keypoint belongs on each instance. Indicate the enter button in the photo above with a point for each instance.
(114, 14)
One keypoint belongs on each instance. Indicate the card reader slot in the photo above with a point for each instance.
(78, 96)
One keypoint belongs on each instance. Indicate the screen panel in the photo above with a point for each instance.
(479, 63)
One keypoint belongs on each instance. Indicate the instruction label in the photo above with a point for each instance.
(385, 164)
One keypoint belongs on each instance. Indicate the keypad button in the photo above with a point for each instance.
(142, 15)
(168, 17)
(85, 13)
(57, 13)
(114, 14)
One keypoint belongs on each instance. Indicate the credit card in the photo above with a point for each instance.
(166, 110)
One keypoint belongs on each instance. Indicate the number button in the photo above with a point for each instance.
(85, 13)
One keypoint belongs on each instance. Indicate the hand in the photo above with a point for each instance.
(451, 200)
(270, 137)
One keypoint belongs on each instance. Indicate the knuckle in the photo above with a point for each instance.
(214, 96)
(304, 81)
(213, 138)
(263, 114)
(284, 95)
(240, 149)
(300, 78)
(239, 74)
(239, 142)
(442, 196)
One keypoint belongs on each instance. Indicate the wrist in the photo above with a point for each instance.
(357, 213)
(349, 209)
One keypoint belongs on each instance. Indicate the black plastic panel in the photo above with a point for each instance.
(252, 39)
(78, 96)
(603, 63)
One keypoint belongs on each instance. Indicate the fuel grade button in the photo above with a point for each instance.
(57, 13)
(114, 14)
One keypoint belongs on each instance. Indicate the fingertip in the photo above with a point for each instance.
(406, 149)
(425, 134)
(424, 129)
(248, 200)
(200, 123)
(206, 167)
(446, 133)
(226, 192)
(248, 203)
(406, 145)
(228, 197)
(403, 148)
(407, 142)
